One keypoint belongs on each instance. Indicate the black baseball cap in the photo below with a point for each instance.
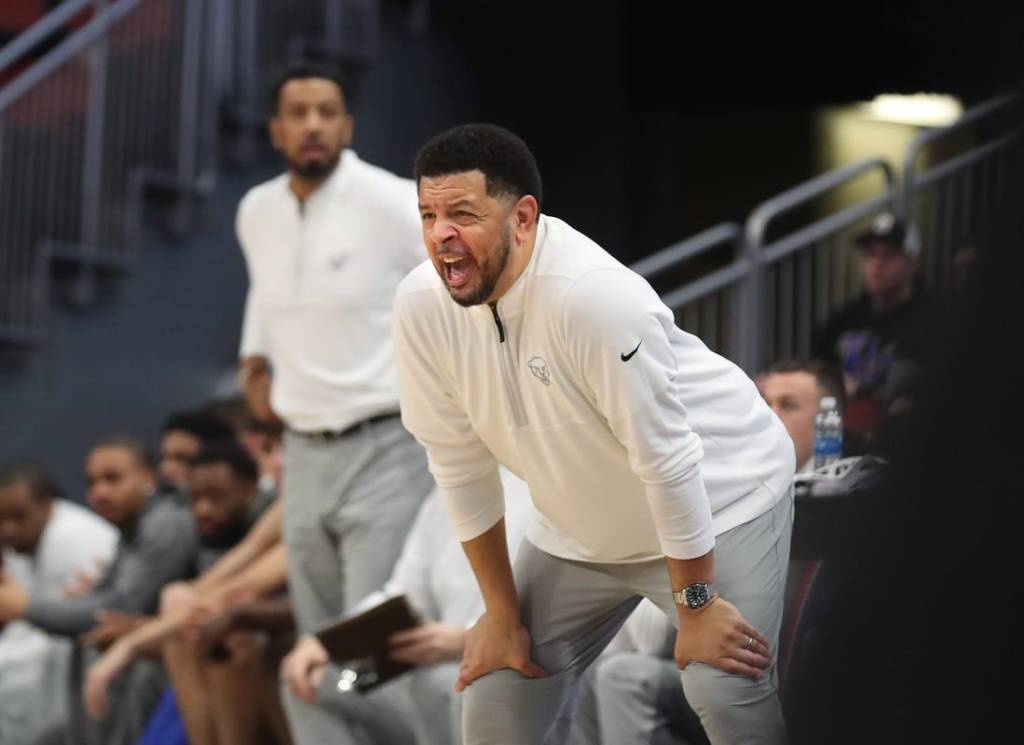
(887, 228)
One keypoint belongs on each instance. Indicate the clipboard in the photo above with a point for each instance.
(359, 643)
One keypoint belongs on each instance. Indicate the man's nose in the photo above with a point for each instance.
(442, 231)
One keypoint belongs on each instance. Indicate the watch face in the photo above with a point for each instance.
(696, 595)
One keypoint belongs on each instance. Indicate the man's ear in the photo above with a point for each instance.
(525, 214)
(276, 135)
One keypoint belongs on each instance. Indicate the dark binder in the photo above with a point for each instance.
(359, 643)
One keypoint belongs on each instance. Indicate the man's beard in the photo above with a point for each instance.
(315, 170)
(226, 536)
(490, 273)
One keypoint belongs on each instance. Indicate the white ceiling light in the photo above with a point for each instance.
(919, 109)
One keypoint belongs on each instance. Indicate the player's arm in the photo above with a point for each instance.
(255, 378)
(266, 574)
(265, 534)
(116, 659)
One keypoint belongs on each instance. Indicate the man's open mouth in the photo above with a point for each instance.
(458, 270)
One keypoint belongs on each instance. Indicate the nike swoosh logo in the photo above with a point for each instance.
(628, 357)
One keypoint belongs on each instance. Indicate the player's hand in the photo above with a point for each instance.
(178, 597)
(82, 583)
(111, 625)
(494, 644)
(718, 635)
(98, 678)
(303, 668)
(215, 628)
(428, 644)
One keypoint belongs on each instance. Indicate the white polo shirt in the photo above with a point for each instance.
(322, 279)
(635, 439)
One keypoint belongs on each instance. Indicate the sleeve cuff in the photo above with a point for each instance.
(682, 516)
(476, 507)
(691, 549)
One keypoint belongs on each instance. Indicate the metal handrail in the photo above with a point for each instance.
(822, 228)
(970, 118)
(25, 41)
(677, 253)
(68, 48)
(959, 162)
(709, 283)
(762, 216)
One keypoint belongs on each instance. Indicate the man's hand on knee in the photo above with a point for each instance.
(718, 635)
(303, 669)
(495, 644)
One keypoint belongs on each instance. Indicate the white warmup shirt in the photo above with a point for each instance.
(31, 660)
(433, 570)
(74, 539)
(322, 279)
(634, 438)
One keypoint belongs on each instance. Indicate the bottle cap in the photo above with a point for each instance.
(828, 402)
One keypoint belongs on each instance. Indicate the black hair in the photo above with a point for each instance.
(132, 444)
(231, 454)
(507, 164)
(40, 485)
(237, 412)
(204, 425)
(825, 374)
(306, 70)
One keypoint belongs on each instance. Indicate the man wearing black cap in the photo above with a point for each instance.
(882, 339)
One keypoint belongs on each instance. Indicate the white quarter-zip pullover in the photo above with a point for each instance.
(634, 438)
(322, 279)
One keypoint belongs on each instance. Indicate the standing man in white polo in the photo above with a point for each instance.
(523, 342)
(326, 244)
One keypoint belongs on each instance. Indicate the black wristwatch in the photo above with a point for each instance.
(694, 596)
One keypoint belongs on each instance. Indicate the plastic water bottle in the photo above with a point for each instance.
(828, 433)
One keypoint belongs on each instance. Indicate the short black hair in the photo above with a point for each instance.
(133, 445)
(40, 485)
(825, 374)
(231, 454)
(306, 70)
(236, 411)
(202, 424)
(507, 164)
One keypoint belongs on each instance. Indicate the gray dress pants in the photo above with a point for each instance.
(573, 609)
(633, 698)
(348, 506)
(419, 708)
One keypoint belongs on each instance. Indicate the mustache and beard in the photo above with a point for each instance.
(489, 271)
(315, 170)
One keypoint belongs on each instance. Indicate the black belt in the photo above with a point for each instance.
(331, 435)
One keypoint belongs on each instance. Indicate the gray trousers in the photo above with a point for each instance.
(348, 506)
(632, 698)
(418, 708)
(573, 609)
